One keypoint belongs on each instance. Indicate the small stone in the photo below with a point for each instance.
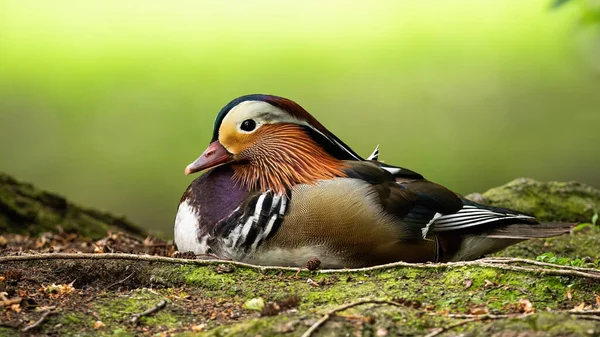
(256, 304)
(313, 264)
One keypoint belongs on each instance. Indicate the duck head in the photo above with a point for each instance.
(272, 143)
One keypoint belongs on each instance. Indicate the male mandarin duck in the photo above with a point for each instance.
(280, 189)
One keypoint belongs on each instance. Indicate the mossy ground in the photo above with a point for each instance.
(209, 299)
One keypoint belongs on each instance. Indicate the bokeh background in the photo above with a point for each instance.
(106, 102)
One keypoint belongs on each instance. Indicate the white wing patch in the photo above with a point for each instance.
(425, 229)
(470, 216)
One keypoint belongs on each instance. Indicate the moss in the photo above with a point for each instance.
(581, 245)
(8, 332)
(548, 201)
(208, 278)
(123, 307)
(25, 209)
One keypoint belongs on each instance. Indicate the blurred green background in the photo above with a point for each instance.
(106, 102)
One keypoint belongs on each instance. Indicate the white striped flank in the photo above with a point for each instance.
(240, 244)
(470, 216)
(283, 206)
(264, 234)
(254, 218)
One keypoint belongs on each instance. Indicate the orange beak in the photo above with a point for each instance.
(214, 155)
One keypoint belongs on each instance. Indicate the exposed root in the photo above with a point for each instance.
(497, 263)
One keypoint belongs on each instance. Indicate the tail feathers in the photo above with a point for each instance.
(531, 231)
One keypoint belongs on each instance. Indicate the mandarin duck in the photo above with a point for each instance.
(280, 189)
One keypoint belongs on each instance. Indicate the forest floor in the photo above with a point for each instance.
(65, 285)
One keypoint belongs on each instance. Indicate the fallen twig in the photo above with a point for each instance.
(11, 301)
(38, 322)
(135, 319)
(331, 312)
(496, 263)
(586, 317)
(584, 312)
(119, 282)
(511, 260)
(450, 327)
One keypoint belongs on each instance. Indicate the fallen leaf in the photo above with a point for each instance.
(468, 283)
(98, 325)
(488, 284)
(16, 307)
(198, 328)
(58, 290)
(479, 310)
(568, 295)
(525, 306)
(582, 307)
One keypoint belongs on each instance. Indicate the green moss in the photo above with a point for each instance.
(549, 201)
(8, 332)
(28, 210)
(121, 308)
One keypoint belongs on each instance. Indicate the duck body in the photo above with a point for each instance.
(282, 189)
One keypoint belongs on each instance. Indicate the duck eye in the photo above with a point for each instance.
(248, 125)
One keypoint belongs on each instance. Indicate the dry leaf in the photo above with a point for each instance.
(582, 307)
(198, 328)
(488, 284)
(479, 311)
(525, 306)
(98, 325)
(568, 295)
(58, 290)
(468, 283)
(16, 307)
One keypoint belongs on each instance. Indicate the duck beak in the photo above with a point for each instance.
(214, 155)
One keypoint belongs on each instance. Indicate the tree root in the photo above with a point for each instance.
(496, 263)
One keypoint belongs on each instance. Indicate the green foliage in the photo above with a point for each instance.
(565, 261)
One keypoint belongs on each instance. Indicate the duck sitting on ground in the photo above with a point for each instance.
(280, 189)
